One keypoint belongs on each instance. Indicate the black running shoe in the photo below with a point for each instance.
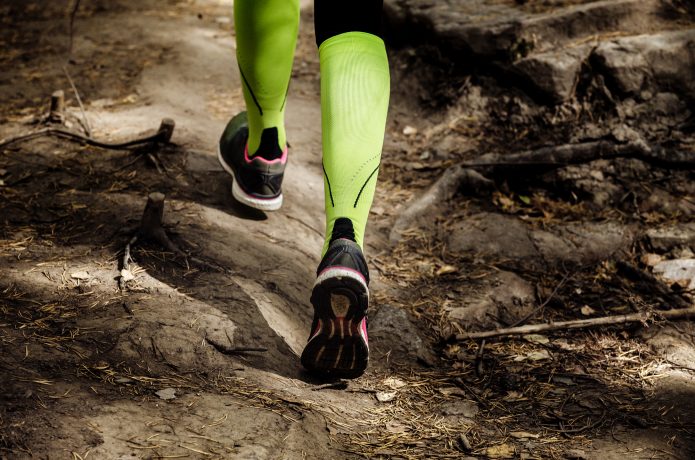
(257, 180)
(338, 345)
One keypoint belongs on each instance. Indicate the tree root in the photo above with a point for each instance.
(453, 179)
(163, 135)
(548, 158)
(473, 176)
(227, 350)
(641, 317)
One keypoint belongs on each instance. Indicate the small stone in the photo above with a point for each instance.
(651, 259)
(166, 394)
(679, 271)
(575, 454)
(82, 276)
(385, 396)
(465, 408)
(409, 130)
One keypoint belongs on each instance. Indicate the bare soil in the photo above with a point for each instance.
(92, 371)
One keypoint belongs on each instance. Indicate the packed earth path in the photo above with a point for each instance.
(192, 351)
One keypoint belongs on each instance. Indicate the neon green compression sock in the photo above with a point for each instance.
(266, 35)
(354, 100)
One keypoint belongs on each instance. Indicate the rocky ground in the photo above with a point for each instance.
(537, 168)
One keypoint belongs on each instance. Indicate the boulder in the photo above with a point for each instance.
(661, 62)
(554, 74)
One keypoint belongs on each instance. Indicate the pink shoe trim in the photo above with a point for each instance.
(363, 331)
(316, 332)
(282, 159)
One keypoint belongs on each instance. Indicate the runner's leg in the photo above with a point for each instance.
(266, 35)
(354, 101)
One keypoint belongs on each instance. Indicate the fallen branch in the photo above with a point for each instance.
(163, 135)
(642, 317)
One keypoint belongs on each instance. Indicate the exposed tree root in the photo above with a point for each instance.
(465, 176)
(227, 350)
(163, 135)
(642, 317)
(548, 158)
(453, 179)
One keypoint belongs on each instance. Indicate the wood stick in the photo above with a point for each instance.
(642, 317)
(56, 113)
(85, 121)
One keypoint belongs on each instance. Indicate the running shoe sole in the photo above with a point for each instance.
(264, 204)
(338, 347)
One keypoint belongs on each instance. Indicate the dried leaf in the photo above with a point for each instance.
(394, 383)
(523, 435)
(537, 338)
(534, 356)
(446, 269)
(395, 427)
(514, 396)
(500, 451)
(452, 391)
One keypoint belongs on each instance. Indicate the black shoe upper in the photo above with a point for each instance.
(256, 177)
(343, 252)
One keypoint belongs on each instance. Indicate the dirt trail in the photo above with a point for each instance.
(91, 370)
(96, 395)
